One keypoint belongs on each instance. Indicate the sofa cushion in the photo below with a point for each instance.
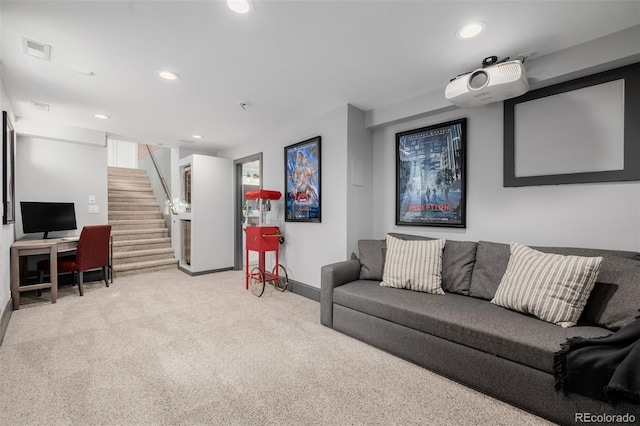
(552, 287)
(414, 265)
(615, 299)
(372, 254)
(492, 259)
(618, 277)
(458, 259)
(465, 320)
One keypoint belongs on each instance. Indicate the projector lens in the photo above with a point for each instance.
(478, 80)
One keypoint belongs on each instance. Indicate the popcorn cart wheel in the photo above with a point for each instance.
(278, 277)
(264, 239)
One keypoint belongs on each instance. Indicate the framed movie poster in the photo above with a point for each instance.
(8, 175)
(431, 175)
(302, 181)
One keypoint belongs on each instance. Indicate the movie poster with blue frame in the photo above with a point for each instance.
(431, 175)
(302, 181)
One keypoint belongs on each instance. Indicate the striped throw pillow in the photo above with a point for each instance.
(414, 265)
(552, 287)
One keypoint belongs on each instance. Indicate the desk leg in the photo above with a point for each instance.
(53, 267)
(15, 278)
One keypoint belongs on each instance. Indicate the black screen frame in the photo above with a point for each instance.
(631, 170)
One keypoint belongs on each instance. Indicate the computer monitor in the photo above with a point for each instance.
(47, 217)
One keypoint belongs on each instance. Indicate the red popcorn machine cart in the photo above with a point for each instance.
(262, 239)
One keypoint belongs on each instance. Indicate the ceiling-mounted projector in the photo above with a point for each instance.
(495, 81)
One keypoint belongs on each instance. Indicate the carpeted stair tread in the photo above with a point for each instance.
(129, 182)
(127, 194)
(144, 244)
(122, 206)
(138, 256)
(127, 178)
(137, 222)
(134, 215)
(126, 243)
(121, 225)
(125, 267)
(139, 232)
(124, 189)
(147, 252)
(132, 199)
(125, 170)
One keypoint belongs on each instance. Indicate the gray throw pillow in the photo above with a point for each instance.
(372, 254)
(615, 299)
(491, 264)
(458, 259)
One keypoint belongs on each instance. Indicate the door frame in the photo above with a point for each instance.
(238, 234)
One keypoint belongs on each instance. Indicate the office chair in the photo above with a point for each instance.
(92, 253)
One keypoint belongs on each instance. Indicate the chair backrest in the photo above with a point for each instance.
(93, 247)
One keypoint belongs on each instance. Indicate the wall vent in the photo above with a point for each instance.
(40, 106)
(38, 50)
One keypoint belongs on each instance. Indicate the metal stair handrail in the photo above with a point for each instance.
(164, 183)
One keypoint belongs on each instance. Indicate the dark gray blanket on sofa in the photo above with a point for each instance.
(605, 368)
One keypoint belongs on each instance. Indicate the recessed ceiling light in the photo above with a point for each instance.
(101, 116)
(168, 75)
(196, 136)
(471, 30)
(240, 6)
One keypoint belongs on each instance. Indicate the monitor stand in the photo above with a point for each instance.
(46, 235)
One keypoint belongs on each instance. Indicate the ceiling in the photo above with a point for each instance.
(289, 59)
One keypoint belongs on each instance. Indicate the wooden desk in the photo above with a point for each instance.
(27, 247)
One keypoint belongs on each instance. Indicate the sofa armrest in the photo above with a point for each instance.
(332, 276)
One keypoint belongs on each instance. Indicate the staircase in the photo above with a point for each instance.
(141, 240)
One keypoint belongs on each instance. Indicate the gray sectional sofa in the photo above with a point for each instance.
(465, 337)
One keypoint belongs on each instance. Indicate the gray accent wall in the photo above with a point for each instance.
(359, 179)
(599, 215)
(346, 190)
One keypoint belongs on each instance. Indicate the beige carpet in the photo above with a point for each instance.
(165, 348)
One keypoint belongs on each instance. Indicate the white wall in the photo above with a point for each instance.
(163, 159)
(6, 233)
(59, 132)
(309, 246)
(122, 153)
(48, 170)
(601, 215)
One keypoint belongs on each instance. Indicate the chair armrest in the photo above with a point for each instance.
(332, 276)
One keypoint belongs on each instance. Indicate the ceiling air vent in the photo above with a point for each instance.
(41, 106)
(39, 50)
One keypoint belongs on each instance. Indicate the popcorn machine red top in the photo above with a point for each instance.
(262, 239)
